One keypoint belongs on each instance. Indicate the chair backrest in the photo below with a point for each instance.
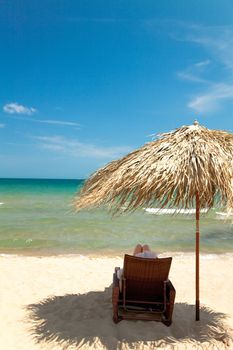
(145, 277)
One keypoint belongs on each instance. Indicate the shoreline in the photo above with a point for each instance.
(100, 254)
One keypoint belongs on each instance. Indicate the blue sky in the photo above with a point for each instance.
(85, 82)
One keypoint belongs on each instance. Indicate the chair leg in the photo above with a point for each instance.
(116, 319)
(115, 298)
(115, 314)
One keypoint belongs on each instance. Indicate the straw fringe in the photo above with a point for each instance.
(169, 170)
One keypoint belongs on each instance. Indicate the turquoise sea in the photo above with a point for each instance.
(37, 217)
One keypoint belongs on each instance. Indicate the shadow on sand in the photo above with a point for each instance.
(86, 320)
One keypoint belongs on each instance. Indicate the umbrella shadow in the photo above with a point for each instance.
(86, 320)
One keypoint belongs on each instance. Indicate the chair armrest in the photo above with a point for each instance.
(170, 291)
(170, 287)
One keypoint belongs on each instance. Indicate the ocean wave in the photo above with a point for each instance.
(224, 216)
(159, 211)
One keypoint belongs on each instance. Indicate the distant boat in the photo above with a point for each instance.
(159, 211)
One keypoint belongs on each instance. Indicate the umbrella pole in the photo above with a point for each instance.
(197, 256)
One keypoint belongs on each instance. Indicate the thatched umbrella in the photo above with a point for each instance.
(189, 166)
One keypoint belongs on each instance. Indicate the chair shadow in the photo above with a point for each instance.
(85, 318)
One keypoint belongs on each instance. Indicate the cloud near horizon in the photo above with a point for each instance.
(16, 108)
(79, 149)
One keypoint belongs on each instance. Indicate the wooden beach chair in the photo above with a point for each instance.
(145, 293)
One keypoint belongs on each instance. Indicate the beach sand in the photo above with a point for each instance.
(64, 302)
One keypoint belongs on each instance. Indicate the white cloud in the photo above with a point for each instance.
(218, 43)
(57, 122)
(190, 76)
(2, 126)
(79, 149)
(217, 40)
(50, 121)
(202, 63)
(210, 99)
(15, 108)
(194, 72)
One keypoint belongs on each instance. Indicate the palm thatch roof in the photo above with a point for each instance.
(169, 170)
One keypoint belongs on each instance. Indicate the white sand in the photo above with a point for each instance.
(64, 302)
